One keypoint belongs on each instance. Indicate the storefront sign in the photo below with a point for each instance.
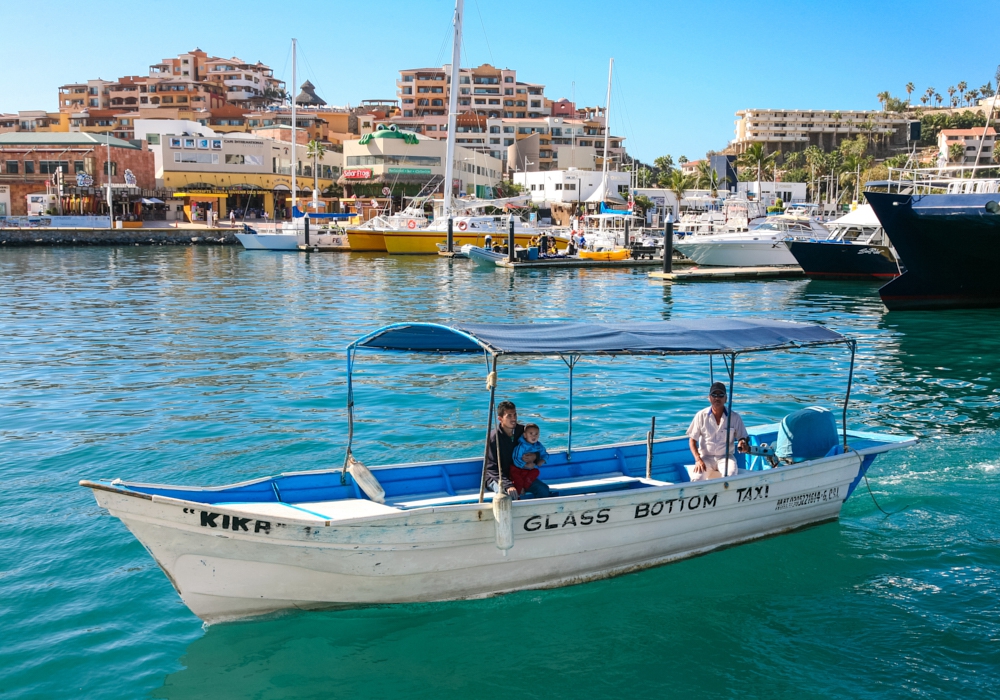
(409, 171)
(360, 174)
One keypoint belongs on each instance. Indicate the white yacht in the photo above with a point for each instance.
(763, 245)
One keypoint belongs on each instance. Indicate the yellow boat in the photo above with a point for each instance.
(604, 255)
(366, 240)
(424, 242)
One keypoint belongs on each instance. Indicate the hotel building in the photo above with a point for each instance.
(797, 129)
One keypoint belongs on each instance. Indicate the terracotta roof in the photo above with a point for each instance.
(977, 131)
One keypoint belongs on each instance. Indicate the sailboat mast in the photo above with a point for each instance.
(449, 163)
(295, 191)
(607, 126)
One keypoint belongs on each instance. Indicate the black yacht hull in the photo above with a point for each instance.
(949, 245)
(844, 261)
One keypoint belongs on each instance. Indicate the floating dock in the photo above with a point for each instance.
(579, 262)
(718, 274)
(38, 236)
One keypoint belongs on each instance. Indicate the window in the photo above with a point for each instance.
(495, 141)
(78, 166)
(234, 159)
(50, 167)
(508, 79)
(114, 167)
(508, 142)
(533, 188)
(212, 158)
(508, 91)
(508, 130)
(394, 160)
(570, 186)
(12, 167)
(558, 185)
(29, 167)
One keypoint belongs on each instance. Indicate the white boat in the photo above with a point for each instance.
(278, 239)
(428, 532)
(763, 245)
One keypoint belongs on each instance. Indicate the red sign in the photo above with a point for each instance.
(360, 174)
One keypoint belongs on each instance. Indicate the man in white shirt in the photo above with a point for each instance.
(707, 437)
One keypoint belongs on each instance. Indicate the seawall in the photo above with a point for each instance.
(116, 237)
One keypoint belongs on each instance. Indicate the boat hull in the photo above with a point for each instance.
(425, 242)
(365, 241)
(268, 241)
(950, 246)
(227, 563)
(838, 260)
(604, 256)
(736, 253)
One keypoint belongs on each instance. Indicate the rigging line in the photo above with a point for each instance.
(309, 66)
(624, 104)
(285, 66)
(444, 43)
(486, 36)
(876, 502)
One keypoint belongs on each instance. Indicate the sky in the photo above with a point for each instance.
(682, 69)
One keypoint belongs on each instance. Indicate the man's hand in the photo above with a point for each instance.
(699, 465)
(512, 492)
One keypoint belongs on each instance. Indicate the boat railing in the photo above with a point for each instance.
(968, 179)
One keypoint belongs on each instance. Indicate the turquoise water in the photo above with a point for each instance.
(211, 365)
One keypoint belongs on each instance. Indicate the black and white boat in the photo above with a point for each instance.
(857, 248)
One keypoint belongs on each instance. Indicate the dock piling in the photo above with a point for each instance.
(668, 245)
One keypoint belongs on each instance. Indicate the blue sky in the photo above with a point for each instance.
(682, 68)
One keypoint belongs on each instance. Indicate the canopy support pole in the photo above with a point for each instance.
(731, 366)
(491, 382)
(571, 363)
(853, 344)
(350, 413)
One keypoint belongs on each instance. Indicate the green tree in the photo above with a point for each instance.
(315, 150)
(955, 152)
(682, 160)
(757, 158)
(883, 97)
(707, 178)
(679, 183)
(643, 204)
(909, 91)
(961, 88)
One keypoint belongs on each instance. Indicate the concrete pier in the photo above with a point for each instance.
(719, 274)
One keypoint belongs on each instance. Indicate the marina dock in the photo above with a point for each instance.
(713, 274)
(577, 262)
(116, 236)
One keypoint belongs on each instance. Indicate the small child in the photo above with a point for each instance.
(529, 454)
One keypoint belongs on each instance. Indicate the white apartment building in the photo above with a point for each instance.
(796, 129)
(787, 192)
(969, 140)
(569, 186)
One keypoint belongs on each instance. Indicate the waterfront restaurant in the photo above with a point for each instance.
(234, 171)
(405, 163)
(76, 168)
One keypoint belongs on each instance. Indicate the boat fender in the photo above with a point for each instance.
(366, 480)
(462, 225)
(411, 224)
(504, 518)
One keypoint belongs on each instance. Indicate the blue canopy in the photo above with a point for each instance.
(694, 336)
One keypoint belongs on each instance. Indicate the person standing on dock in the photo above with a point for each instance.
(232, 218)
(503, 439)
(708, 437)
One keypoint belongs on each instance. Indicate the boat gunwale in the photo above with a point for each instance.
(892, 443)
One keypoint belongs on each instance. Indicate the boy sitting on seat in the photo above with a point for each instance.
(529, 454)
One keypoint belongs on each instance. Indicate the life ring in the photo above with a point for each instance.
(462, 225)
(411, 224)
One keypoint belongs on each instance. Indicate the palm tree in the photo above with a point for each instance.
(938, 98)
(923, 99)
(707, 178)
(680, 183)
(961, 87)
(971, 96)
(836, 126)
(951, 94)
(315, 150)
(756, 156)
(909, 90)
(883, 98)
